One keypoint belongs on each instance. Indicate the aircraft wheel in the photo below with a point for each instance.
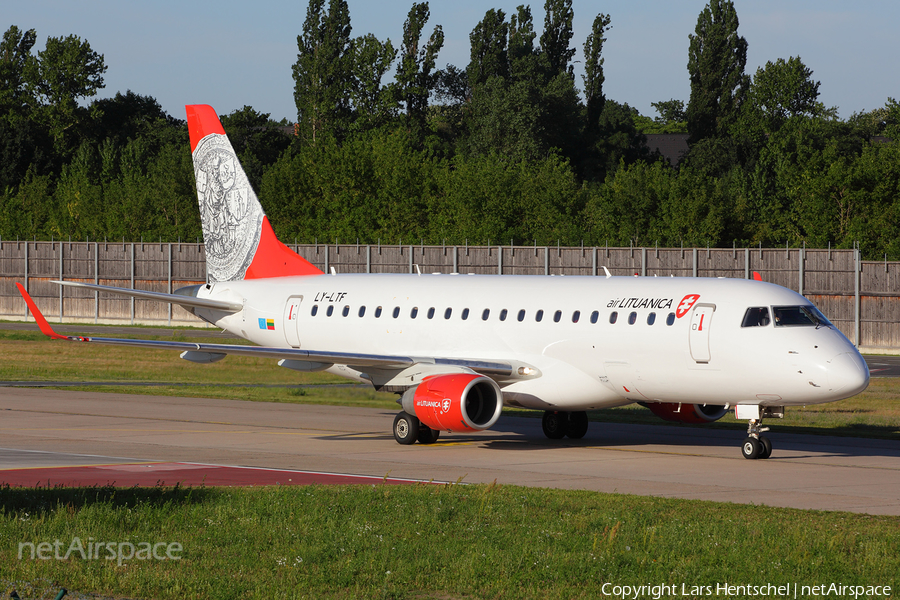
(427, 435)
(406, 428)
(578, 425)
(555, 424)
(765, 450)
(751, 448)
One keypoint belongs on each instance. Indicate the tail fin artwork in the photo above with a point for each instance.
(240, 242)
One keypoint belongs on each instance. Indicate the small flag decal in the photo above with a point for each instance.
(267, 324)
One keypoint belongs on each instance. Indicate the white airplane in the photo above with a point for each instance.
(458, 348)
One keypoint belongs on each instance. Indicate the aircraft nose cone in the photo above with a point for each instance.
(848, 374)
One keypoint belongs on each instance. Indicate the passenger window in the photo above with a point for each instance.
(330, 310)
(485, 314)
(431, 313)
(346, 311)
(670, 320)
(632, 318)
(414, 312)
(651, 318)
(757, 316)
(465, 314)
(612, 317)
(362, 311)
(315, 309)
(521, 316)
(539, 315)
(378, 312)
(576, 315)
(503, 315)
(447, 313)
(594, 316)
(557, 316)
(396, 311)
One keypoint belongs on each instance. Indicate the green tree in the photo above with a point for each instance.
(717, 56)
(505, 118)
(593, 69)
(66, 71)
(129, 116)
(557, 36)
(416, 77)
(373, 103)
(257, 140)
(523, 59)
(892, 119)
(782, 90)
(670, 111)
(488, 49)
(323, 73)
(15, 63)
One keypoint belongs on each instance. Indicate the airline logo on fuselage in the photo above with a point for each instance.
(443, 405)
(657, 303)
(686, 304)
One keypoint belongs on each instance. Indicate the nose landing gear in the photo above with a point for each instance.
(757, 445)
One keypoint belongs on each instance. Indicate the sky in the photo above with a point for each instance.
(233, 53)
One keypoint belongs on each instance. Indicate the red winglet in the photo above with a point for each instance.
(38, 317)
(757, 276)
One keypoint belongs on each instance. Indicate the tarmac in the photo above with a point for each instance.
(52, 437)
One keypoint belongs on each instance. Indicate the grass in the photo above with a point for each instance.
(434, 541)
(29, 356)
(416, 541)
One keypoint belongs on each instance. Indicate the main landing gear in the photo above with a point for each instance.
(558, 424)
(409, 430)
(757, 445)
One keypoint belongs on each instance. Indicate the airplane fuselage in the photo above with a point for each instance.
(592, 342)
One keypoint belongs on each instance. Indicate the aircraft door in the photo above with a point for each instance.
(292, 321)
(701, 320)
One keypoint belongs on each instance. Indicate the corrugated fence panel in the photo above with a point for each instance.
(524, 260)
(839, 310)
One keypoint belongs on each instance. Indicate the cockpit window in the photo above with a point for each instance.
(756, 316)
(799, 316)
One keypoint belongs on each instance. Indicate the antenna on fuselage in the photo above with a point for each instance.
(608, 274)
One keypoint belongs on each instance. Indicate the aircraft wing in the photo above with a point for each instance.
(199, 352)
(185, 301)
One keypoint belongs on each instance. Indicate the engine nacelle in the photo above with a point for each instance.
(687, 413)
(455, 402)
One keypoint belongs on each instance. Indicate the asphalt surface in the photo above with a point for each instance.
(50, 429)
(883, 366)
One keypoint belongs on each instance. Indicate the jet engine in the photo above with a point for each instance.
(455, 402)
(687, 413)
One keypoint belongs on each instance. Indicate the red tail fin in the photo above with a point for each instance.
(240, 242)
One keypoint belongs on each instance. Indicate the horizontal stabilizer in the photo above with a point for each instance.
(229, 307)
